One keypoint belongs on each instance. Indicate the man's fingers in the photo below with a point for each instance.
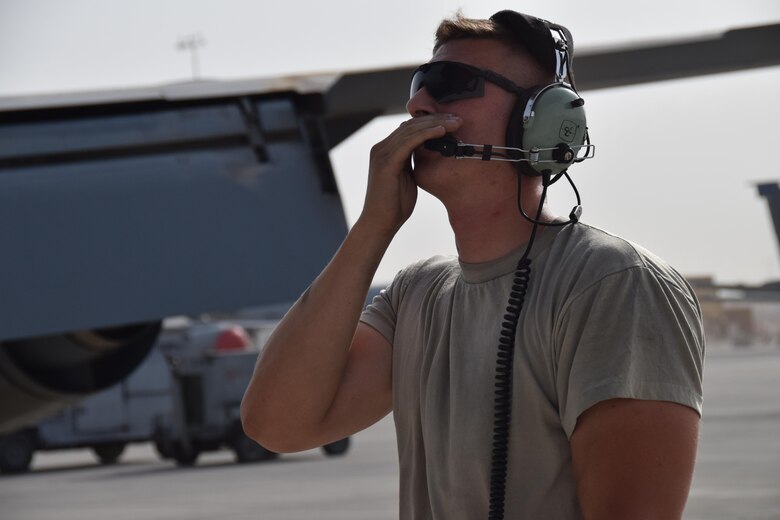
(412, 133)
(424, 124)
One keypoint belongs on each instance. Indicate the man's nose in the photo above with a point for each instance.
(421, 103)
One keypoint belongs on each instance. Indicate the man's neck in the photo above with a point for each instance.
(484, 234)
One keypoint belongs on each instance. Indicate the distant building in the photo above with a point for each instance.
(739, 316)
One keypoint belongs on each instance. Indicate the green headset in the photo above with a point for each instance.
(547, 130)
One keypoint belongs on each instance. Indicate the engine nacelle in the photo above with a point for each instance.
(41, 375)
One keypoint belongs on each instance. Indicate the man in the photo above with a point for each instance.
(606, 374)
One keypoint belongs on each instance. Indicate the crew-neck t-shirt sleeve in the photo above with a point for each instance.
(633, 334)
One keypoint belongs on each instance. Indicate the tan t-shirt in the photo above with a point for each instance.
(603, 318)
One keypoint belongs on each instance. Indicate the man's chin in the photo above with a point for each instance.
(423, 156)
(428, 166)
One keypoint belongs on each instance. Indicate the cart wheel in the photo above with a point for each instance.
(16, 452)
(109, 453)
(162, 443)
(337, 448)
(248, 450)
(184, 456)
(161, 449)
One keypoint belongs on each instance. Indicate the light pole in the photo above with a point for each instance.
(191, 43)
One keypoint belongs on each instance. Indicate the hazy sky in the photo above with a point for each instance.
(675, 161)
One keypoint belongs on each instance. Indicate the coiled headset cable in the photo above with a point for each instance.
(504, 363)
(574, 216)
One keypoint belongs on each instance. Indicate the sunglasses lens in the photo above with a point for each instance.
(448, 81)
(418, 79)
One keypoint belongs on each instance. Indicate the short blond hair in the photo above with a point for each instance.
(459, 27)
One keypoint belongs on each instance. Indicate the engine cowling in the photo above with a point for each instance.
(41, 375)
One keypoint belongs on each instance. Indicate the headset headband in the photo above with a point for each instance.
(561, 49)
(551, 44)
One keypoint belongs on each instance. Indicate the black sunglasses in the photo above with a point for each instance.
(450, 81)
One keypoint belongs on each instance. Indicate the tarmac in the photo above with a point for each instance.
(737, 471)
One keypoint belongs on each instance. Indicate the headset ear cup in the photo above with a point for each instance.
(556, 121)
(514, 130)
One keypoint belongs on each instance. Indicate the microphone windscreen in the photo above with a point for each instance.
(447, 145)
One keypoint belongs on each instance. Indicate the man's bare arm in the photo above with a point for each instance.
(634, 459)
(300, 370)
(321, 376)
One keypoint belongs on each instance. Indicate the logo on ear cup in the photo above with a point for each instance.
(568, 131)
